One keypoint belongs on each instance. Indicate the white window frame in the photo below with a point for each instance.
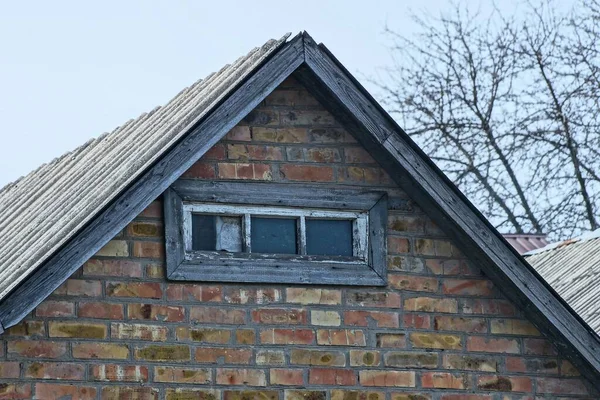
(360, 223)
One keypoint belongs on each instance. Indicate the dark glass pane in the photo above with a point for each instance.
(273, 235)
(329, 237)
(204, 232)
(216, 232)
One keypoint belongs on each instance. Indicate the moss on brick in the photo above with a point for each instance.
(164, 353)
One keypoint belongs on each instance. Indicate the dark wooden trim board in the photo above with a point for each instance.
(249, 268)
(412, 170)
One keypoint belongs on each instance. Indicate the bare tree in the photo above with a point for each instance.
(509, 108)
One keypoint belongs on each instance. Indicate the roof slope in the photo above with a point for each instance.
(525, 242)
(572, 268)
(43, 210)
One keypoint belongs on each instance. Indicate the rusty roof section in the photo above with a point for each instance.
(572, 267)
(41, 211)
(523, 242)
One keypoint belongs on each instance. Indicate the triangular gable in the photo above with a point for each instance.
(410, 168)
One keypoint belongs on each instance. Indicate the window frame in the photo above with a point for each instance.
(214, 266)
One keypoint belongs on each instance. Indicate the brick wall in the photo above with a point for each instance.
(440, 330)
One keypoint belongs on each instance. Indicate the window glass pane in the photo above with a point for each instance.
(329, 237)
(273, 235)
(216, 232)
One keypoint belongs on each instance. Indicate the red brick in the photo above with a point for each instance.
(331, 376)
(532, 365)
(154, 250)
(340, 337)
(262, 117)
(467, 287)
(398, 245)
(308, 173)
(245, 171)
(540, 347)
(217, 152)
(118, 373)
(37, 348)
(286, 377)
(100, 310)
(193, 293)
(80, 287)
(44, 370)
(288, 316)
(387, 378)
(146, 290)
(444, 380)
(229, 355)
(200, 170)
(249, 377)
(156, 312)
(484, 344)
(217, 315)
(15, 391)
(48, 391)
(416, 321)
(116, 268)
(362, 318)
(9, 370)
(395, 340)
(504, 383)
(50, 308)
(561, 386)
(449, 267)
(287, 336)
(413, 283)
(154, 210)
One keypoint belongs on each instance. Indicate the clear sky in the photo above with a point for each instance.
(70, 70)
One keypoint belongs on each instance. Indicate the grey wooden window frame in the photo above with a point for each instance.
(212, 266)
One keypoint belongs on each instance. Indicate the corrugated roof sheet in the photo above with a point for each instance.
(572, 268)
(41, 211)
(525, 242)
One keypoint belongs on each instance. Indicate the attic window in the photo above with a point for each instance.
(255, 232)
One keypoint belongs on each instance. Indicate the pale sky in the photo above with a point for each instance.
(71, 70)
